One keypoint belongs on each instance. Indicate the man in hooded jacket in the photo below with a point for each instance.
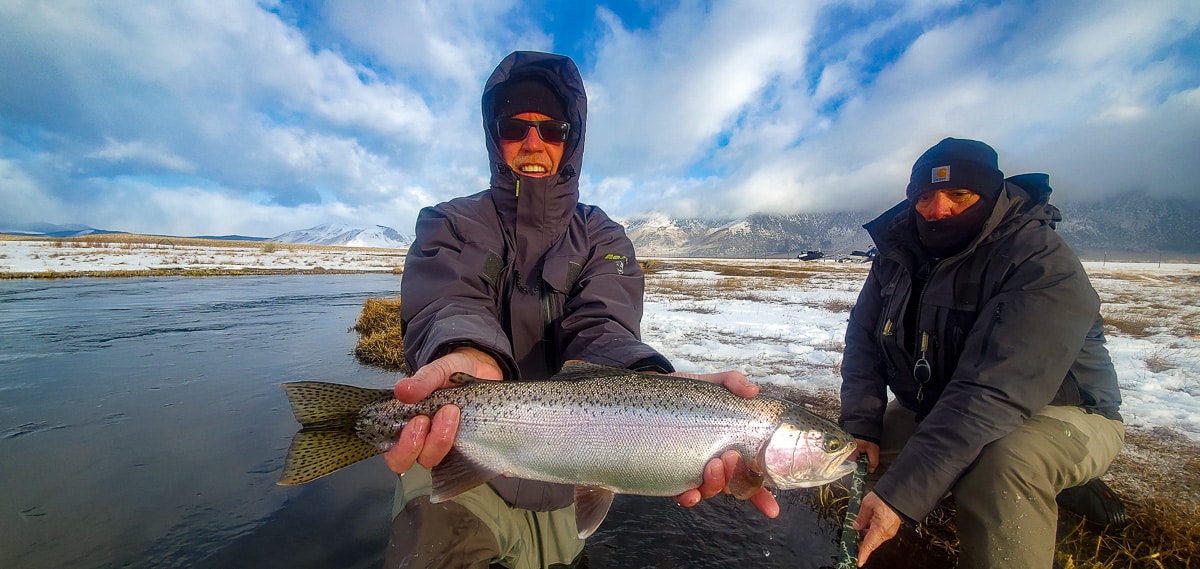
(509, 284)
(982, 323)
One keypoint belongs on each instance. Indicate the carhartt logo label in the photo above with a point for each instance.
(941, 174)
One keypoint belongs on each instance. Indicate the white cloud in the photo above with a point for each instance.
(23, 198)
(140, 152)
(708, 108)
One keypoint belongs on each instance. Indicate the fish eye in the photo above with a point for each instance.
(833, 445)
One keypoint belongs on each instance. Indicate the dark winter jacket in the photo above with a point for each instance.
(1002, 329)
(525, 272)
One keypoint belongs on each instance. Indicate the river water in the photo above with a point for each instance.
(142, 425)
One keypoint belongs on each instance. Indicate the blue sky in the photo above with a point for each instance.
(255, 118)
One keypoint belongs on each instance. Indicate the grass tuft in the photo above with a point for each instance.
(380, 341)
(1161, 359)
(1129, 323)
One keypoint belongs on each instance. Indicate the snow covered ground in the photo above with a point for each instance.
(107, 253)
(778, 321)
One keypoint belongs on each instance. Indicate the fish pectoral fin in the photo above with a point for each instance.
(746, 481)
(456, 474)
(459, 379)
(579, 369)
(315, 453)
(591, 507)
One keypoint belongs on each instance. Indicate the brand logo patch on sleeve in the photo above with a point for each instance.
(619, 261)
(940, 174)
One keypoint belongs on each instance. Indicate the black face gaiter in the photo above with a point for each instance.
(950, 235)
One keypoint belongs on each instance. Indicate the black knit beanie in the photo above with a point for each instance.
(956, 163)
(528, 95)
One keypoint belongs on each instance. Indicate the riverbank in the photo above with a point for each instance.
(128, 255)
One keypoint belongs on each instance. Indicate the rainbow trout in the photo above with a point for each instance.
(605, 430)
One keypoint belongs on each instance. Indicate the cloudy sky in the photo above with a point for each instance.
(213, 117)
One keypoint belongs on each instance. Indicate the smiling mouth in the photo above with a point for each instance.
(533, 169)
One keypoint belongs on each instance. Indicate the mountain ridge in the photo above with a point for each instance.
(346, 236)
(1132, 223)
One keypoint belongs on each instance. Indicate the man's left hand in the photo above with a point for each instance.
(719, 471)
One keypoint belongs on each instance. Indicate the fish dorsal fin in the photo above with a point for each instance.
(746, 480)
(579, 369)
(459, 379)
(314, 454)
(316, 403)
(591, 507)
(457, 474)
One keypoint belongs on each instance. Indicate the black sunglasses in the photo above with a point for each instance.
(516, 129)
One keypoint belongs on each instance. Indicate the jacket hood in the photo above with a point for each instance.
(541, 203)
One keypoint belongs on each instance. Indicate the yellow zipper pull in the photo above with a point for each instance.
(518, 186)
(887, 328)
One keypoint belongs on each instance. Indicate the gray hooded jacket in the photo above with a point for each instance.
(1006, 327)
(525, 272)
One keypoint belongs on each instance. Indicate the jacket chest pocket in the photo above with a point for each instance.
(489, 263)
(892, 297)
(562, 273)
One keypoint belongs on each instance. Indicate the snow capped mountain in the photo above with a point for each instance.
(1131, 223)
(346, 236)
(52, 230)
(753, 236)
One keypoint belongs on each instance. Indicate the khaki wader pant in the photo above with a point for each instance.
(475, 529)
(1007, 516)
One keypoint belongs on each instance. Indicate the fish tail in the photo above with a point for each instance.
(327, 441)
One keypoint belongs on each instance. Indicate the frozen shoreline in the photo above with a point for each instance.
(77, 257)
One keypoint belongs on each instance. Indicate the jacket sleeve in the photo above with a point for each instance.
(1015, 357)
(602, 315)
(864, 379)
(447, 298)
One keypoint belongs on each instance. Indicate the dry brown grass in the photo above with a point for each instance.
(1146, 304)
(177, 272)
(1162, 359)
(135, 240)
(380, 341)
(1128, 323)
(739, 268)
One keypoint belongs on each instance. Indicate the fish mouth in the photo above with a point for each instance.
(837, 470)
(837, 467)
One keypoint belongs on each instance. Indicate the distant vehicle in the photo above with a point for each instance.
(810, 255)
(867, 255)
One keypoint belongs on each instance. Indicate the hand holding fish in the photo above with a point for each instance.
(868, 448)
(424, 440)
(719, 471)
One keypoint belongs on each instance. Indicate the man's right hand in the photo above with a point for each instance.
(427, 441)
(868, 448)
